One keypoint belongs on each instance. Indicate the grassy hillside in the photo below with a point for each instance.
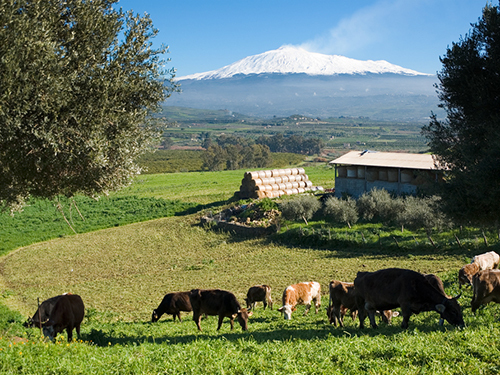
(123, 272)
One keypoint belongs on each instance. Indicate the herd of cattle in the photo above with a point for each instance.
(371, 294)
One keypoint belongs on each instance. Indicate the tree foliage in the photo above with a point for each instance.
(302, 207)
(341, 210)
(77, 81)
(468, 141)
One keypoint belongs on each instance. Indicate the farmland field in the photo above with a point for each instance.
(123, 272)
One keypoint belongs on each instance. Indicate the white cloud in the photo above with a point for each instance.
(369, 25)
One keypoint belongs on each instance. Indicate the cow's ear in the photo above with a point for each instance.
(234, 316)
(250, 313)
(395, 313)
(440, 308)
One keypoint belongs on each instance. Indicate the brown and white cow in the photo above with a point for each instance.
(259, 293)
(172, 303)
(67, 314)
(389, 288)
(486, 261)
(217, 302)
(486, 287)
(342, 298)
(300, 294)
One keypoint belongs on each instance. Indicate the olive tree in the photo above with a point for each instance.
(467, 142)
(78, 80)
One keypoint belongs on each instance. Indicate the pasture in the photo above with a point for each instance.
(123, 272)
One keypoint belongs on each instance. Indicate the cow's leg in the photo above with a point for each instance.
(179, 316)
(308, 307)
(197, 319)
(265, 304)
(406, 312)
(69, 329)
(317, 304)
(221, 318)
(174, 315)
(361, 311)
(338, 315)
(371, 316)
(78, 330)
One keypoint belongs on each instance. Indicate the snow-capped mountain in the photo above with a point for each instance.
(291, 80)
(296, 60)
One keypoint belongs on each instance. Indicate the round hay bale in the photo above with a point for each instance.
(275, 186)
(275, 173)
(288, 185)
(295, 191)
(285, 179)
(301, 170)
(302, 184)
(262, 174)
(266, 181)
(281, 172)
(301, 190)
(309, 184)
(282, 186)
(295, 185)
(292, 178)
(258, 181)
(295, 171)
(288, 171)
(278, 180)
(288, 192)
(261, 187)
(268, 173)
(253, 175)
(305, 177)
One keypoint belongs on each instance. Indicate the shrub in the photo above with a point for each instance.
(379, 205)
(422, 213)
(301, 207)
(341, 210)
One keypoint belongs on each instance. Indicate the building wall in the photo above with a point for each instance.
(356, 187)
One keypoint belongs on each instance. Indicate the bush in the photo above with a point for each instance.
(422, 213)
(301, 207)
(341, 210)
(379, 205)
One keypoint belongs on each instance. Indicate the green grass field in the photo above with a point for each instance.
(123, 272)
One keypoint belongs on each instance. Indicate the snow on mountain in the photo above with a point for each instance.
(290, 59)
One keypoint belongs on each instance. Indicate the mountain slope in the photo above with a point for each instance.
(295, 60)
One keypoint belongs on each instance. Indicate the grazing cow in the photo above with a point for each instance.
(486, 287)
(67, 314)
(486, 261)
(43, 312)
(259, 293)
(394, 287)
(218, 302)
(300, 294)
(172, 303)
(342, 298)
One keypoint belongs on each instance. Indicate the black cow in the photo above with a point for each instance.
(172, 303)
(259, 293)
(394, 287)
(67, 314)
(43, 312)
(218, 302)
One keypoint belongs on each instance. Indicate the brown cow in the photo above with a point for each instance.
(67, 314)
(486, 261)
(300, 294)
(218, 302)
(342, 298)
(486, 287)
(43, 312)
(394, 287)
(259, 293)
(172, 303)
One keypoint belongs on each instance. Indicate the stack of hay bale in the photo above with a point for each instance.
(274, 183)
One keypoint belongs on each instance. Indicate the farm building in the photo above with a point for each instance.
(361, 171)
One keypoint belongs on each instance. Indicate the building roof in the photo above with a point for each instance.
(386, 159)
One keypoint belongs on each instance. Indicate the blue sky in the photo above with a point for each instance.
(207, 35)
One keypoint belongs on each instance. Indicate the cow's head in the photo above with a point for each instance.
(450, 311)
(155, 316)
(466, 273)
(242, 316)
(287, 311)
(48, 330)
